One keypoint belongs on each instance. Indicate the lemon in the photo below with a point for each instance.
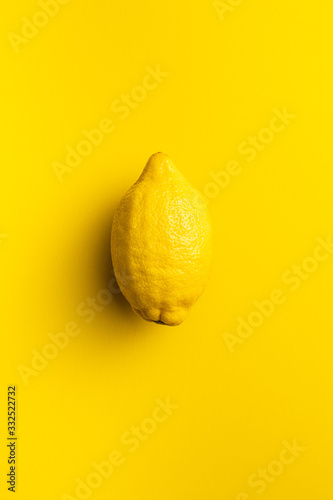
(161, 243)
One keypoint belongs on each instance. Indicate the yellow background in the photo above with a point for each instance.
(235, 410)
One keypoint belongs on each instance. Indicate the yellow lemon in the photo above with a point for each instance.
(161, 243)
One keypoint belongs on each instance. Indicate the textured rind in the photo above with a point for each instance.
(161, 243)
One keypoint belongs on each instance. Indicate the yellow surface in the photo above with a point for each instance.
(161, 244)
(201, 82)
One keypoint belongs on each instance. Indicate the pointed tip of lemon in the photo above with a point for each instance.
(160, 160)
(158, 164)
(159, 155)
